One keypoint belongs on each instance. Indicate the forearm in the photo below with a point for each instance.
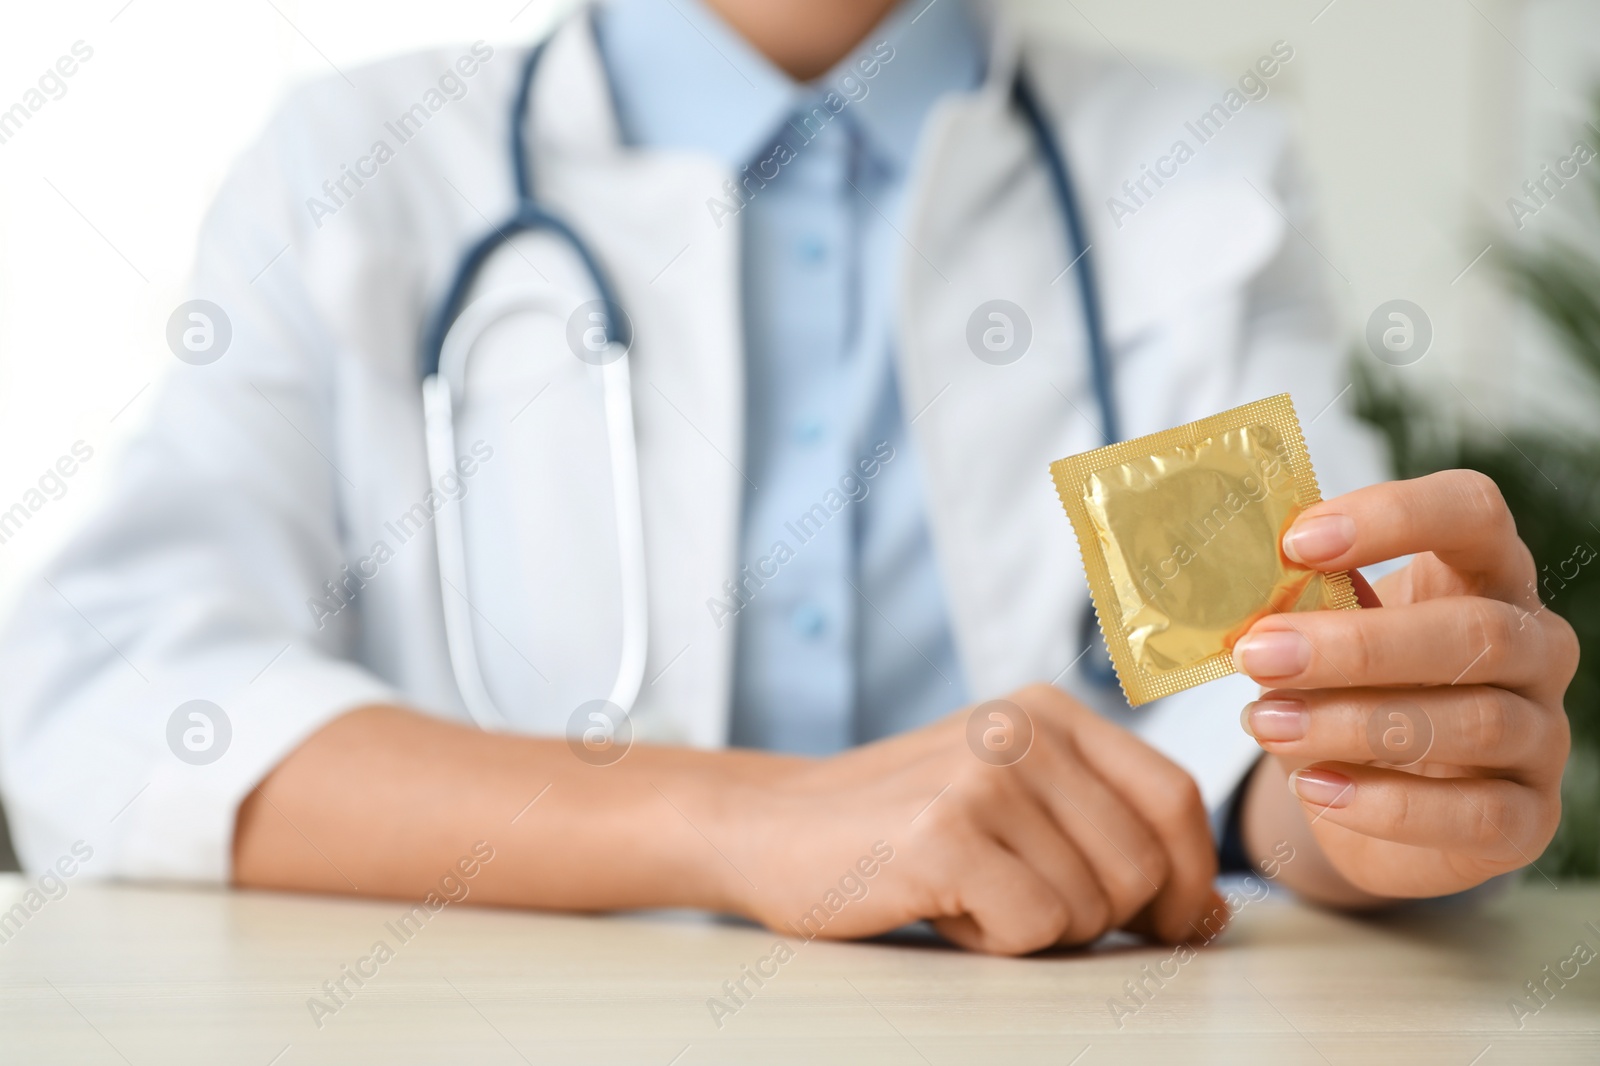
(384, 801)
(1273, 817)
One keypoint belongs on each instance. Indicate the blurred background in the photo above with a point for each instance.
(1420, 120)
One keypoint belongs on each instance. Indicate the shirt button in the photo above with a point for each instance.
(808, 431)
(808, 621)
(812, 250)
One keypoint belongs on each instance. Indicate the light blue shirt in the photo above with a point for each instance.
(843, 635)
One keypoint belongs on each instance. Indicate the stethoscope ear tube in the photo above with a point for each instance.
(438, 412)
(439, 392)
(627, 495)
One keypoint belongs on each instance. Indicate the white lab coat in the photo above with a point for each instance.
(262, 475)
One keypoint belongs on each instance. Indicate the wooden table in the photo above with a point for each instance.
(164, 975)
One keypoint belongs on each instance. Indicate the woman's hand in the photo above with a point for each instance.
(1425, 738)
(1013, 826)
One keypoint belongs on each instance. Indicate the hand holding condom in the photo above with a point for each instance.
(1425, 737)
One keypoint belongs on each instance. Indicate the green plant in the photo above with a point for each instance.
(1551, 481)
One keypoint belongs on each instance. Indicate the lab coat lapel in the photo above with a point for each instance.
(988, 425)
(983, 226)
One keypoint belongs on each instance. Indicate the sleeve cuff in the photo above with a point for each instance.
(181, 827)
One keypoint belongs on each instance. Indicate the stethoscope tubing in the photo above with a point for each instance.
(456, 327)
(440, 391)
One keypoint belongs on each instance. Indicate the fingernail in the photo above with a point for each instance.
(1276, 719)
(1318, 539)
(1275, 653)
(1322, 787)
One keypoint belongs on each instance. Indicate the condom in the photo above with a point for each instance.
(1181, 534)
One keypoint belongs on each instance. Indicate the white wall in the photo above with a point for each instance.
(1418, 119)
(138, 145)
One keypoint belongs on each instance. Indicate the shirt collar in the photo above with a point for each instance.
(937, 48)
(682, 78)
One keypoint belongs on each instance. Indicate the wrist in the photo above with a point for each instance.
(724, 818)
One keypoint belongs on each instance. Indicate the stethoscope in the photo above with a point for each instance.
(454, 330)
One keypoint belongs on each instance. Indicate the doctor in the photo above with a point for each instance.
(803, 214)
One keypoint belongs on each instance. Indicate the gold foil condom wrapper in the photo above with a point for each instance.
(1181, 534)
